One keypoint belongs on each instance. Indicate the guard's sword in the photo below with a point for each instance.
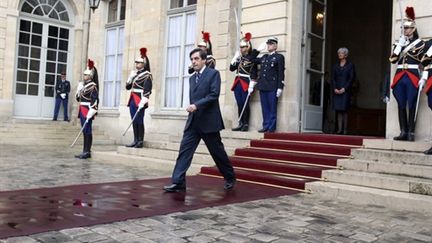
(133, 118)
(417, 104)
(79, 134)
(244, 107)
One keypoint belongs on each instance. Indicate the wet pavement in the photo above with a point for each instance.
(295, 218)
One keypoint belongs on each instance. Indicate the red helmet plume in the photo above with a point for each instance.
(206, 36)
(248, 36)
(409, 11)
(90, 64)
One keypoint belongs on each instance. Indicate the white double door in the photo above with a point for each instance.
(42, 54)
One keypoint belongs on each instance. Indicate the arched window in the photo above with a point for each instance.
(53, 9)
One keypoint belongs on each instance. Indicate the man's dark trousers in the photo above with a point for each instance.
(189, 144)
(59, 101)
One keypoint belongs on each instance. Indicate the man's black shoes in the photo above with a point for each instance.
(229, 185)
(83, 155)
(175, 188)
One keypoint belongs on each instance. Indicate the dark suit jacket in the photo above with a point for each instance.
(205, 95)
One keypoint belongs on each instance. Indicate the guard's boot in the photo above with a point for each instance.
(403, 136)
(245, 127)
(411, 125)
(86, 150)
(140, 134)
(239, 127)
(135, 131)
(428, 152)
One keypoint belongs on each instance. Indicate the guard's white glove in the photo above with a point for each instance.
(91, 113)
(236, 58)
(79, 88)
(262, 47)
(63, 95)
(144, 100)
(131, 76)
(251, 86)
(278, 93)
(386, 99)
(403, 41)
(421, 83)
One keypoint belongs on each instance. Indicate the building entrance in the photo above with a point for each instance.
(364, 27)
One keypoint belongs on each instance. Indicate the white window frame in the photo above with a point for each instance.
(116, 25)
(179, 103)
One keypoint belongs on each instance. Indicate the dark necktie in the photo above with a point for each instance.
(198, 76)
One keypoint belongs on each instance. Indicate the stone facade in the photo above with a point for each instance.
(146, 27)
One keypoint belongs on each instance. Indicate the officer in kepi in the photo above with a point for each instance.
(246, 72)
(270, 83)
(62, 97)
(140, 85)
(88, 98)
(407, 53)
(206, 45)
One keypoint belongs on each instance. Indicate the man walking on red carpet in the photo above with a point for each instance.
(204, 122)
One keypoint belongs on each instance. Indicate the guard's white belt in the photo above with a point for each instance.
(137, 90)
(85, 103)
(408, 66)
(243, 75)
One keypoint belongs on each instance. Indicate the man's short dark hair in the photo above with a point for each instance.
(202, 53)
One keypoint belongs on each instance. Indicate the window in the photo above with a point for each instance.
(113, 67)
(114, 54)
(181, 31)
(53, 9)
(181, 3)
(116, 10)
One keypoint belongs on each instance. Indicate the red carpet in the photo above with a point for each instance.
(290, 160)
(33, 211)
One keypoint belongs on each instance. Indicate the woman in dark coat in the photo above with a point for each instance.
(341, 81)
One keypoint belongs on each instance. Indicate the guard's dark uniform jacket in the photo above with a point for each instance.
(426, 62)
(141, 86)
(271, 72)
(246, 70)
(408, 62)
(88, 97)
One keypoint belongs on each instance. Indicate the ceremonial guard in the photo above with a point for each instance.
(426, 78)
(407, 54)
(88, 98)
(205, 44)
(62, 97)
(140, 85)
(270, 83)
(246, 69)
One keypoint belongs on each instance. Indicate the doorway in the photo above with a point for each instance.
(364, 27)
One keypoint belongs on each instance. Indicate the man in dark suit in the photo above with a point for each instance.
(62, 97)
(204, 122)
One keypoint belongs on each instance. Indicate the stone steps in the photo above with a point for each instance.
(420, 171)
(46, 132)
(394, 174)
(148, 162)
(372, 196)
(379, 180)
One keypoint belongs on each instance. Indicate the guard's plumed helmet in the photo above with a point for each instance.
(143, 59)
(409, 20)
(205, 42)
(245, 41)
(89, 70)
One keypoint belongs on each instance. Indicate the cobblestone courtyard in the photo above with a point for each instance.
(298, 218)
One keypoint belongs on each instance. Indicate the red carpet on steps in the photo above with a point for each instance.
(290, 159)
(33, 211)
